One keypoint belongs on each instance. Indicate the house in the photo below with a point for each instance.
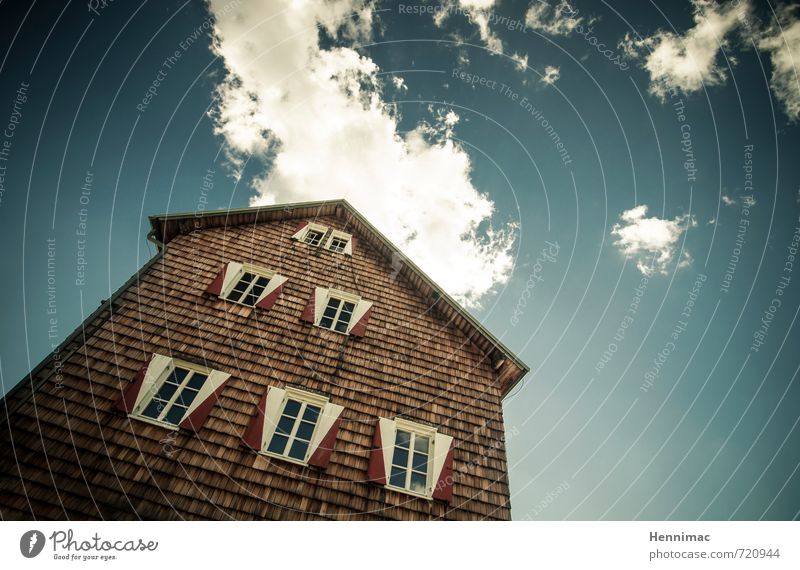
(282, 362)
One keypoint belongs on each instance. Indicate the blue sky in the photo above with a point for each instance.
(612, 188)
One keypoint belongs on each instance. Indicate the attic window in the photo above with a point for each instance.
(338, 312)
(249, 286)
(313, 237)
(340, 242)
(311, 233)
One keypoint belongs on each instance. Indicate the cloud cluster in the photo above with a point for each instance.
(481, 13)
(558, 19)
(316, 118)
(690, 61)
(551, 75)
(782, 40)
(651, 242)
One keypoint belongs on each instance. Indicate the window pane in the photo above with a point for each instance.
(326, 322)
(421, 444)
(166, 391)
(311, 414)
(398, 477)
(403, 438)
(177, 375)
(250, 299)
(153, 409)
(186, 397)
(175, 414)
(278, 444)
(291, 409)
(247, 278)
(262, 282)
(197, 380)
(420, 462)
(418, 482)
(234, 295)
(400, 457)
(348, 307)
(298, 450)
(285, 425)
(304, 431)
(341, 326)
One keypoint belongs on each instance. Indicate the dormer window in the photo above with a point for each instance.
(311, 234)
(340, 242)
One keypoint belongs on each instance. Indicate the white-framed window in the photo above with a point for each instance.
(311, 233)
(412, 458)
(298, 421)
(340, 242)
(338, 312)
(248, 284)
(294, 425)
(411, 454)
(171, 391)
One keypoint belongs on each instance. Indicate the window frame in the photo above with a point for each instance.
(157, 385)
(416, 429)
(304, 398)
(256, 270)
(311, 226)
(343, 297)
(338, 234)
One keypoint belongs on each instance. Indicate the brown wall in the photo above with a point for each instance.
(80, 459)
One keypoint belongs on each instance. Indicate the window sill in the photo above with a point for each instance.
(151, 421)
(331, 330)
(283, 457)
(427, 497)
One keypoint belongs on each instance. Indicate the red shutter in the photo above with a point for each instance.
(308, 312)
(268, 301)
(376, 472)
(128, 400)
(353, 244)
(361, 326)
(322, 456)
(443, 490)
(216, 285)
(195, 420)
(255, 429)
(299, 227)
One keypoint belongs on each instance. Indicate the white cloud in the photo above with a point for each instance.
(399, 83)
(688, 62)
(551, 75)
(480, 13)
(317, 118)
(782, 40)
(559, 19)
(651, 242)
(728, 201)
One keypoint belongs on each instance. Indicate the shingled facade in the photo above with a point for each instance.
(281, 362)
